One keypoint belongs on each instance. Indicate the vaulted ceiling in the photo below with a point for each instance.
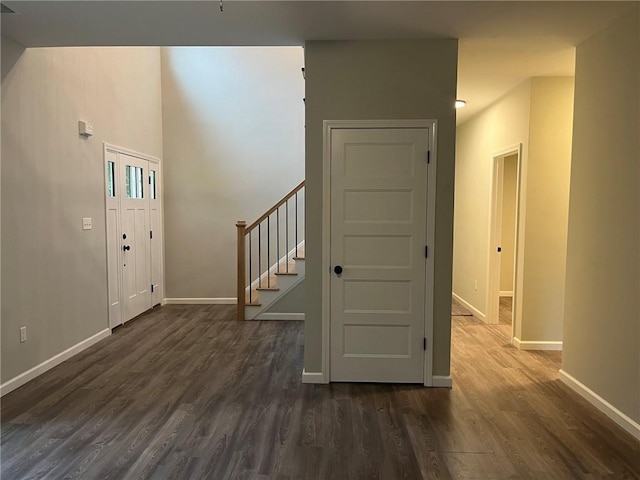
(501, 43)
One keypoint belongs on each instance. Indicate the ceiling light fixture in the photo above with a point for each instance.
(460, 103)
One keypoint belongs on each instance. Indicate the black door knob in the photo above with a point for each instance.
(126, 248)
(337, 269)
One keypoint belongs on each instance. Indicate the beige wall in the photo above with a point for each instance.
(602, 326)
(508, 236)
(380, 80)
(547, 203)
(54, 278)
(233, 146)
(502, 125)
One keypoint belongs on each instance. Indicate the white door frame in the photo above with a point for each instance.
(495, 232)
(328, 126)
(108, 147)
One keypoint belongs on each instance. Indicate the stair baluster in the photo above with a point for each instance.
(246, 252)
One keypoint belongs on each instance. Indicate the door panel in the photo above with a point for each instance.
(378, 236)
(114, 292)
(134, 201)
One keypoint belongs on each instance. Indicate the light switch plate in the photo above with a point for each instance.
(86, 223)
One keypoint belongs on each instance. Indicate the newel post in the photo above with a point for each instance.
(242, 225)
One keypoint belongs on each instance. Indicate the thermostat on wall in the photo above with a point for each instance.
(85, 128)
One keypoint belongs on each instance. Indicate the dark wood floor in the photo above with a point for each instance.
(187, 392)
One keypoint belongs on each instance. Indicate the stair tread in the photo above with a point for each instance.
(254, 299)
(271, 285)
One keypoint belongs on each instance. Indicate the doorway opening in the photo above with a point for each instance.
(502, 294)
(507, 237)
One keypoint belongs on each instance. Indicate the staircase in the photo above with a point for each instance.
(271, 255)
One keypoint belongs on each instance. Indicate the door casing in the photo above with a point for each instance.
(495, 224)
(328, 126)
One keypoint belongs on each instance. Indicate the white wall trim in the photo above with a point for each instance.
(468, 306)
(200, 301)
(529, 345)
(128, 151)
(621, 419)
(505, 293)
(313, 377)
(32, 373)
(328, 126)
(280, 316)
(442, 381)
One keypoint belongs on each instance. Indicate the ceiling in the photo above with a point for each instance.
(502, 43)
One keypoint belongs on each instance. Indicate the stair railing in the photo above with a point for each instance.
(255, 244)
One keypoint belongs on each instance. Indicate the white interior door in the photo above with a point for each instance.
(136, 255)
(378, 238)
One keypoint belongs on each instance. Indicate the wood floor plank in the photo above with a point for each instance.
(188, 392)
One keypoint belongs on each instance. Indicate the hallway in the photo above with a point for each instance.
(187, 392)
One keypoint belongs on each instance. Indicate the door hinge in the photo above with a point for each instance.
(426, 251)
(424, 343)
(152, 288)
(150, 233)
(428, 156)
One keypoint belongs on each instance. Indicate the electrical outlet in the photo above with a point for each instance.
(475, 284)
(23, 334)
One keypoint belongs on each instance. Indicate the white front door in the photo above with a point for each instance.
(134, 233)
(134, 211)
(378, 238)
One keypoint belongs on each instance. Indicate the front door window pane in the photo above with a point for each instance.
(152, 185)
(111, 174)
(133, 181)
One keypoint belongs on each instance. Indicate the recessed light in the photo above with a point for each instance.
(460, 103)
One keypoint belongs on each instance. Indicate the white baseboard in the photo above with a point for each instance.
(504, 293)
(601, 404)
(313, 377)
(280, 316)
(18, 381)
(527, 345)
(442, 381)
(468, 306)
(200, 301)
